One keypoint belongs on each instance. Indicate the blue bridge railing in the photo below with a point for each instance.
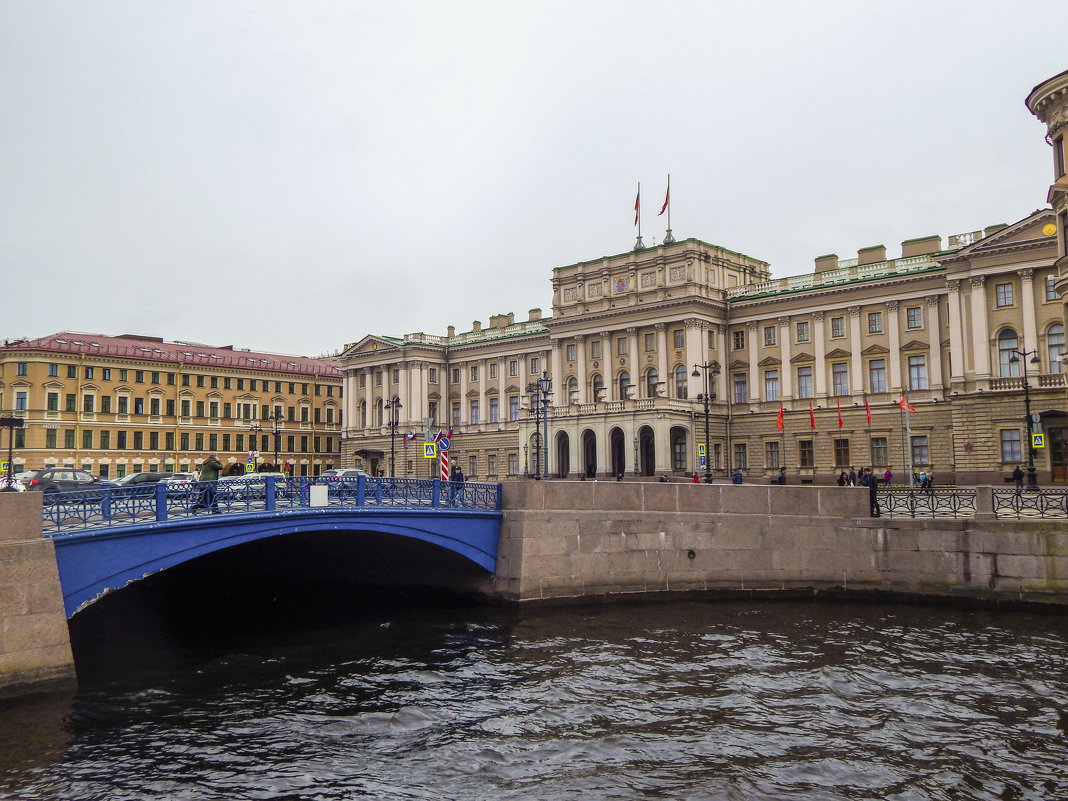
(117, 506)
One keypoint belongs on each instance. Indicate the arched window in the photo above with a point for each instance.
(652, 378)
(1007, 345)
(572, 390)
(1055, 347)
(598, 387)
(378, 412)
(363, 414)
(624, 382)
(682, 384)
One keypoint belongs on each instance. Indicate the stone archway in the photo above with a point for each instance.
(589, 453)
(646, 451)
(618, 445)
(563, 454)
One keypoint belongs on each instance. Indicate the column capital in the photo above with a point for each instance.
(660, 326)
(818, 316)
(933, 300)
(752, 325)
(784, 321)
(1027, 275)
(953, 284)
(977, 281)
(891, 305)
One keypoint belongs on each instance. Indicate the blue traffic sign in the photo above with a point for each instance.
(444, 443)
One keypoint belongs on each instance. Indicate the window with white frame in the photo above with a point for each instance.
(513, 367)
(678, 338)
(802, 331)
(1003, 294)
(771, 455)
(491, 464)
(875, 322)
(838, 326)
(473, 405)
(880, 451)
(1055, 347)
(1008, 343)
(595, 349)
(513, 464)
(513, 407)
(474, 372)
(920, 452)
(1051, 293)
(769, 335)
(804, 382)
(535, 365)
(456, 375)
(493, 371)
(650, 343)
(572, 352)
(738, 338)
(495, 410)
(682, 384)
(917, 372)
(456, 413)
(771, 385)
(840, 378)
(741, 388)
(741, 456)
(914, 317)
(877, 375)
(1011, 450)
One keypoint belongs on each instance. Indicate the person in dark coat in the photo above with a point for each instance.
(873, 487)
(209, 477)
(781, 479)
(456, 482)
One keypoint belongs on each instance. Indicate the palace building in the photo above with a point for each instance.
(120, 404)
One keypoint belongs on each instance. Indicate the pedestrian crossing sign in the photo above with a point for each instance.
(430, 450)
(1038, 440)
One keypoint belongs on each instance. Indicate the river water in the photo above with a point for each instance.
(419, 699)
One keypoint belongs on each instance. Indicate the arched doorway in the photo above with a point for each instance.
(618, 445)
(646, 451)
(563, 455)
(680, 450)
(589, 453)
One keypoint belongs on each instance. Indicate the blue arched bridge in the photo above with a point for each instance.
(109, 537)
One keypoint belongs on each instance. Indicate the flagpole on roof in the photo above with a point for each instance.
(669, 238)
(639, 245)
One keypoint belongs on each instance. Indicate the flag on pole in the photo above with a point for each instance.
(905, 405)
(867, 409)
(667, 199)
(811, 416)
(637, 204)
(778, 422)
(839, 400)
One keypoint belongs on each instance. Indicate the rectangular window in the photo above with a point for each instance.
(291, 443)
(153, 440)
(771, 455)
(105, 404)
(513, 368)
(1051, 293)
(199, 439)
(738, 338)
(838, 326)
(1003, 293)
(53, 369)
(920, 454)
(168, 440)
(184, 439)
(474, 411)
(741, 456)
(806, 455)
(771, 385)
(841, 453)
(914, 317)
(491, 464)
(51, 438)
(840, 378)
(513, 464)
(879, 451)
(88, 373)
(139, 440)
(72, 402)
(68, 438)
(1010, 445)
(155, 377)
(472, 466)
(535, 365)
(186, 403)
(200, 408)
(153, 406)
(88, 403)
(474, 372)
(124, 404)
(769, 335)
(650, 343)
(804, 382)
(495, 410)
(251, 385)
(917, 372)
(595, 349)
(456, 413)
(72, 371)
(493, 371)
(52, 402)
(877, 377)
(213, 442)
(20, 368)
(105, 440)
(139, 376)
(802, 332)
(679, 454)
(572, 352)
(678, 337)
(304, 444)
(456, 375)
(621, 346)
(432, 375)
(171, 379)
(741, 388)
(513, 407)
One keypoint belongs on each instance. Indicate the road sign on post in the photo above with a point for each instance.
(430, 450)
(1038, 440)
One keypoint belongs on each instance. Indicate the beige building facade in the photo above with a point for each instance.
(115, 405)
(634, 337)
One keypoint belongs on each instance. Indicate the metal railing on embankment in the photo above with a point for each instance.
(945, 502)
(107, 507)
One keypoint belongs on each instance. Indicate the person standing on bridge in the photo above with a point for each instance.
(456, 481)
(209, 476)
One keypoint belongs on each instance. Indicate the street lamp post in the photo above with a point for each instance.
(275, 419)
(255, 427)
(708, 397)
(1017, 356)
(393, 406)
(540, 391)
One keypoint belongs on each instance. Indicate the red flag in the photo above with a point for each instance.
(778, 423)
(637, 205)
(905, 405)
(667, 199)
(867, 408)
(811, 416)
(839, 400)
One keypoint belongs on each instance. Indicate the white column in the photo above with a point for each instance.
(368, 396)
(980, 328)
(856, 359)
(957, 343)
(580, 348)
(820, 388)
(502, 368)
(893, 328)
(1030, 323)
(464, 415)
(786, 379)
(662, 356)
(725, 381)
(756, 392)
(483, 379)
(696, 353)
(935, 333)
(556, 373)
(633, 365)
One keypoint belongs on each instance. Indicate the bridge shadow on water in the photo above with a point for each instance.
(264, 592)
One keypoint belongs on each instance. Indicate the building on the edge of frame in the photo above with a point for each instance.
(121, 404)
(938, 324)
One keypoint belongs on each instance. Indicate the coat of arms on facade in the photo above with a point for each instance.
(619, 285)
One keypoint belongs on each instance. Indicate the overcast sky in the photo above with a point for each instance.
(290, 176)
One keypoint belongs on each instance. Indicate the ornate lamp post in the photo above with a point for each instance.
(253, 449)
(1032, 476)
(275, 419)
(540, 391)
(708, 397)
(393, 406)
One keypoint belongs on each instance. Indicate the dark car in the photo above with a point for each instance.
(135, 479)
(56, 479)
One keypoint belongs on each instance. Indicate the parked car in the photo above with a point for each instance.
(134, 479)
(55, 479)
(336, 473)
(252, 485)
(180, 483)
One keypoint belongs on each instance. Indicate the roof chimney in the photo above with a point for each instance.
(534, 314)
(826, 263)
(872, 255)
(476, 326)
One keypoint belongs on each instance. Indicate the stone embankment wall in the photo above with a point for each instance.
(569, 540)
(35, 651)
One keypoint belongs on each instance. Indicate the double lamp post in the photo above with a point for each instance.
(1020, 357)
(708, 397)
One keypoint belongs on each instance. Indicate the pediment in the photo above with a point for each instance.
(770, 361)
(875, 350)
(838, 353)
(802, 358)
(371, 344)
(738, 364)
(125, 389)
(512, 389)
(915, 344)
(493, 391)
(1026, 231)
(95, 388)
(243, 397)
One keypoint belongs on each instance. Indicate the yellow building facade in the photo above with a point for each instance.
(120, 404)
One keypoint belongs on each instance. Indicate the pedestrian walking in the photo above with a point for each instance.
(781, 479)
(736, 476)
(887, 476)
(696, 479)
(456, 484)
(209, 478)
(1018, 477)
(873, 488)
